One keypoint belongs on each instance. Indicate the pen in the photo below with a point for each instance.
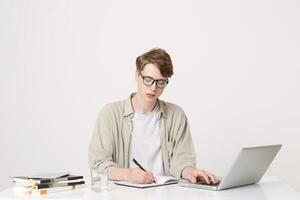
(140, 166)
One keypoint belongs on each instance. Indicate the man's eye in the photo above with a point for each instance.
(148, 80)
(161, 83)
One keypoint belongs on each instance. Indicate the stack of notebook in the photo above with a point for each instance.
(42, 184)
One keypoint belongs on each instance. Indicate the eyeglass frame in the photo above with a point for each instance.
(154, 80)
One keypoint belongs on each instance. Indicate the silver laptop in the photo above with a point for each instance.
(248, 168)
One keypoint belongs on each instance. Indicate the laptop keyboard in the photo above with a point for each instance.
(204, 183)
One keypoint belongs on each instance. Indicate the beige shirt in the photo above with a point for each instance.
(111, 138)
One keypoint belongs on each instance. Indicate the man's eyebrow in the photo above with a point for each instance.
(164, 79)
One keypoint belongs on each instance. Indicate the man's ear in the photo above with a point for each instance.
(136, 75)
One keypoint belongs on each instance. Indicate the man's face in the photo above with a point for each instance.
(149, 93)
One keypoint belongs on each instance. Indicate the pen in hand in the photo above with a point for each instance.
(140, 166)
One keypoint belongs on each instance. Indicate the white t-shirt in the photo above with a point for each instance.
(145, 142)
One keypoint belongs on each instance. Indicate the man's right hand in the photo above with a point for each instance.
(136, 175)
(132, 175)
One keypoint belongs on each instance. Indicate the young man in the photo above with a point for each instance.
(154, 132)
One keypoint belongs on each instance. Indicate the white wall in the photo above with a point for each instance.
(236, 76)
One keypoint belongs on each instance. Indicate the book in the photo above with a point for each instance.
(28, 183)
(51, 185)
(159, 181)
(35, 180)
(18, 190)
(49, 175)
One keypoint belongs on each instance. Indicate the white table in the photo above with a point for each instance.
(270, 188)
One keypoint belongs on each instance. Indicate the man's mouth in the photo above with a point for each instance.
(151, 95)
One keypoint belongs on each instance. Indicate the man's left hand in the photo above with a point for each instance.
(197, 175)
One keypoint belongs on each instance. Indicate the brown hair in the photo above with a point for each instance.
(158, 57)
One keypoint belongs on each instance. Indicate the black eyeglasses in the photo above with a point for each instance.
(160, 83)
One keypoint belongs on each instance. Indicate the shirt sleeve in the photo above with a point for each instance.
(100, 153)
(183, 152)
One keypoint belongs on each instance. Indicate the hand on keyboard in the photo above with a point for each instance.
(194, 175)
(202, 182)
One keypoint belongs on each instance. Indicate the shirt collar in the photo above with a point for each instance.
(128, 109)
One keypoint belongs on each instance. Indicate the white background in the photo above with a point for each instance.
(236, 64)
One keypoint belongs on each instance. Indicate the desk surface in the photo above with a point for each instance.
(270, 188)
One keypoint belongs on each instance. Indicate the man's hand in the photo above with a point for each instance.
(136, 175)
(132, 175)
(197, 175)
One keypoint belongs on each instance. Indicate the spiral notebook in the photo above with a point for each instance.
(160, 181)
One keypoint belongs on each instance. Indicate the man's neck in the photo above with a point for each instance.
(141, 106)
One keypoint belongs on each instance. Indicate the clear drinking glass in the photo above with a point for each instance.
(99, 180)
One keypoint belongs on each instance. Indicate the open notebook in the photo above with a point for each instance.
(160, 180)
